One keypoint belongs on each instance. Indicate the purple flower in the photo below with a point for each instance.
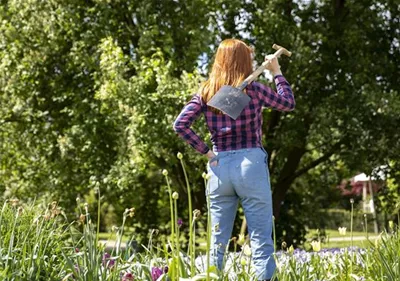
(156, 272)
(166, 268)
(180, 222)
(108, 261)
(127, 277)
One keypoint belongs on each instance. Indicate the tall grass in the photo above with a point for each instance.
(38, 243)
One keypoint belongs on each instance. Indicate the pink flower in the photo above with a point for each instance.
(127, 277)
(107, 260)
(156, 273)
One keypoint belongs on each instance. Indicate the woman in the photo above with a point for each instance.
(237, 163)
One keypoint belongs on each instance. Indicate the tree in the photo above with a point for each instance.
(89, 90)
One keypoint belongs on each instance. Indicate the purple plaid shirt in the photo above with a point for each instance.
(227, 133)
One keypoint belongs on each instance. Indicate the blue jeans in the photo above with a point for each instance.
(242, 174)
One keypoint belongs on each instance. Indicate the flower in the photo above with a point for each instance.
(179, 155)
(165, 172)
(342, 230)
(196, 214)
(206, 176)
(14, 202)
(82, 218)
(316, 245)
(131, 212)
(179, 222)
(107, 261)
(156, 272)
(127, 277)
(247, 250)
(166, 268)
(241, 239)
(175, 195)
(290, 250)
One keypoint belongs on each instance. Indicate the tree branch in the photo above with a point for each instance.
(318, 161)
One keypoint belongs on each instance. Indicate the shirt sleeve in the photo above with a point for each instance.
(183, 122)
(282, 100)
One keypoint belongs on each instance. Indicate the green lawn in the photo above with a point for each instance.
(332, 239)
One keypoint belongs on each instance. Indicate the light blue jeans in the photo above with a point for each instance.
(242, 174)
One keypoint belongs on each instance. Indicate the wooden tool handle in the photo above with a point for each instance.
(280, 51)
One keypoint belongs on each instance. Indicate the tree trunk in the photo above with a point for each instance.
(285, 179)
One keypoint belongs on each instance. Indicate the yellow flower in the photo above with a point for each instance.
(291, 250)
(206, 176)
(243, 261)
(241, 239)
(316, 245)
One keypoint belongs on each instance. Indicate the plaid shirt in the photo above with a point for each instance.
(227, 133)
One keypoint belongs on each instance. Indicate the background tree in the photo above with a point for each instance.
(89, 91)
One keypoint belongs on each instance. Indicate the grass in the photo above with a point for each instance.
(38, 243)
(332, 238)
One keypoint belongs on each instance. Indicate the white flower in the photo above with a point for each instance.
(342, 230)
(175, 195)
(247, 250)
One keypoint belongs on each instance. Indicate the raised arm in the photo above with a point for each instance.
(282, 100)
(183, 122)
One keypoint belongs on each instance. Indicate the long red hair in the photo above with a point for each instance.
(232, 64)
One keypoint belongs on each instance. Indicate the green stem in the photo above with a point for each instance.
(208, 232)
(190, 219)
(351, 222)
(273, 229)
(1, 221)
(98, 217)
(177, 239)
(171, 209)
(351, 231)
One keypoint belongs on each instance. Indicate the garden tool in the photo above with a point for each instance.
(231, 100)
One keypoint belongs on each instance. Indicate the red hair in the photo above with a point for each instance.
(232, 64)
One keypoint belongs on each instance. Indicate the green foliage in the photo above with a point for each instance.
(32, 240)
(89, 91)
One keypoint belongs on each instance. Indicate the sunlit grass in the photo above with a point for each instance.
(38, 243)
